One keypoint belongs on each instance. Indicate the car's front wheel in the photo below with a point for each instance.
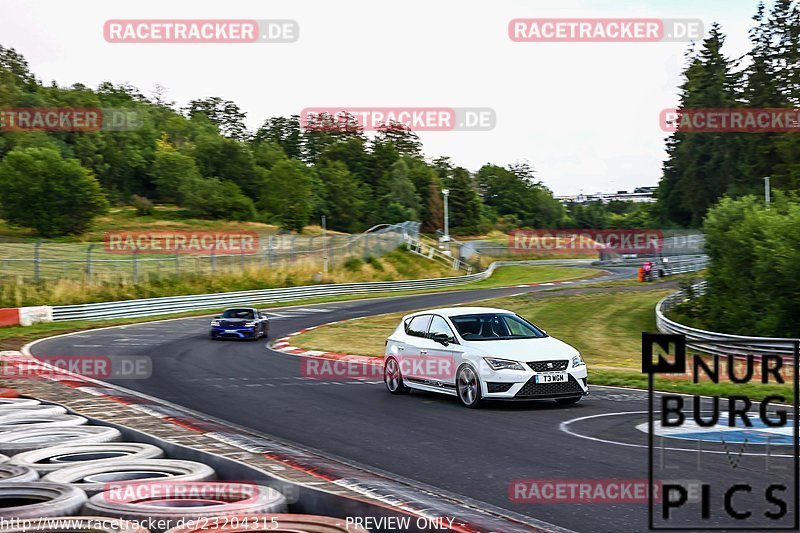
(393, 378)
(468, 386)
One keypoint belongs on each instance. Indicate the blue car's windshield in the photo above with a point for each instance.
(246, 314)
(495, 326)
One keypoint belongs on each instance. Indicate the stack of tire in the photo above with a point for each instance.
(56, 466)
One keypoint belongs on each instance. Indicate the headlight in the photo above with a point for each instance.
(577, 361)
(503, 364)
(250, 324)
(215, 322)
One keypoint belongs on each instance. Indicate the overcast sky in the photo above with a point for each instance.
(585, 115)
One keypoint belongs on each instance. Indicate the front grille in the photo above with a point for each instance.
(549, 390)
(555, 366)
(494, 386)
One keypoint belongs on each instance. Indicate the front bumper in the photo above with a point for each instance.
(219, 332)
(520, 384)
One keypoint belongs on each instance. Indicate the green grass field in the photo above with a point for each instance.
(605, 326)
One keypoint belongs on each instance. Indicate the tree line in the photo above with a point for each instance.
(204, 159)
(702, 167)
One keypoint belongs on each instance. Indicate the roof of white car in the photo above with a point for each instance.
(456, 311)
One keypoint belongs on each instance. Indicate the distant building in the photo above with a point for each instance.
(639, 194)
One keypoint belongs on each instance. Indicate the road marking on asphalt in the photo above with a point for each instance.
(566, 427)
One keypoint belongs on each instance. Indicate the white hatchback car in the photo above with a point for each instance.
(481, 353)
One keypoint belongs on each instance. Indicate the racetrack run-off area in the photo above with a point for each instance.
(421, 437)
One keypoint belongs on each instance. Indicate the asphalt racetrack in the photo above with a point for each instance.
(420, 437)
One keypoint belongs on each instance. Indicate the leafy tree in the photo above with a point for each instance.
(464, 206)
(217, 199)
(290, 201)
(343, 197)
(285, 132)
(225, 114)
(401, 191)
(40, 189)
(754, 273)
(173, 173)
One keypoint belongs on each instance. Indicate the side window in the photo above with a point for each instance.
(439, 325)
(418, 326)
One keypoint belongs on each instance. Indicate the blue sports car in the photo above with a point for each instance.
(240, 323)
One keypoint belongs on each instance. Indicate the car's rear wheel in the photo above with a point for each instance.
(393, 377)
(568, 401)
(468, 387)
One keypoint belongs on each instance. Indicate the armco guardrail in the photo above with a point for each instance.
(196, 302)
(711, 342)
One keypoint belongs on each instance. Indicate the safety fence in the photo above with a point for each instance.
(94, 263)
(179, 304)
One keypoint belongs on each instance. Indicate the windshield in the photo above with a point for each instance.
(495, 326)
(238, 313)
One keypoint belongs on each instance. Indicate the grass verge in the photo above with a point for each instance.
(605, 326)
(14, 337)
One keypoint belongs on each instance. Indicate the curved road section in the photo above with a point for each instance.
(426, 438)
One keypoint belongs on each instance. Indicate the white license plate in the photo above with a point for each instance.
(559, 377)
(231, 331)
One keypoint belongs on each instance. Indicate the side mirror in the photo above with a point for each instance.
(218, 316)
(441, 338)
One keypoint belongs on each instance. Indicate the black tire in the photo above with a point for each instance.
(80, 523)
(17, 473)
(36, 499)
(280, 522)
(568, 401)
(24, 440)
(56, 457)
(229, 499)
(468, 387)
(393, 378)
(95, 477)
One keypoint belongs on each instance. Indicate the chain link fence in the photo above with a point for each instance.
(44, 260)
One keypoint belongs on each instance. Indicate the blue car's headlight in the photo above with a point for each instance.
(214, 323)
(250, 324)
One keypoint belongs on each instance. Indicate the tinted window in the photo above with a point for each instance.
(495, 326)
(439, 325)
(418, 325)
(238, 313)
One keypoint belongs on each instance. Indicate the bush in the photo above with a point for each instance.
(754, 269)
(144, 207)
(40, 189)
(353, 264)
(375, 263)
(216, 198)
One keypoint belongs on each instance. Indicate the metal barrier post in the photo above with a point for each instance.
(89, 262)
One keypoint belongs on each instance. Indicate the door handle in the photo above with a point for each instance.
(401, 348)
(423, 352)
